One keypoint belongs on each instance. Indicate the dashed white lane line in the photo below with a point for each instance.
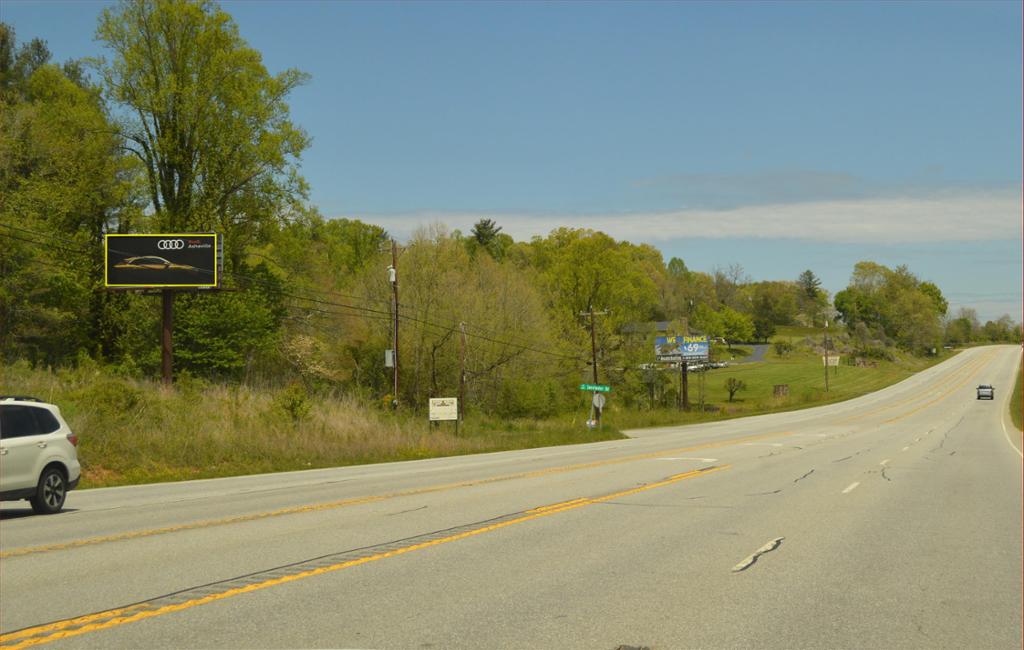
(851, 487)
(703, 460)
(905, 448)
(884, 462)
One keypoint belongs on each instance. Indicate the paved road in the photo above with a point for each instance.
(889, 521)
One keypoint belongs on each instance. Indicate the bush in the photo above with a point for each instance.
(782, 348)
(294, 402)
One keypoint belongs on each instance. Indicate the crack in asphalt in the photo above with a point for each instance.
(804, 476)
(761, 494)
(751, 559)
(884, 475)
(851, 456)
(402, 512)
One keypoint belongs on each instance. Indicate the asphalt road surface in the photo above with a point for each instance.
(889, 521)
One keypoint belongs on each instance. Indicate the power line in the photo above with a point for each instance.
(444, 328)
(86, 251)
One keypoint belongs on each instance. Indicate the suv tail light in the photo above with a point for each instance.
(73, 439)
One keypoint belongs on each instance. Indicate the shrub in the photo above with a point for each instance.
(782, 348)
(293, 401)
(734, 385)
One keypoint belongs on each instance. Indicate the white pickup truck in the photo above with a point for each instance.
(986, 392)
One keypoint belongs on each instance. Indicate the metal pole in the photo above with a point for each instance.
(394, 287)
(166, 345)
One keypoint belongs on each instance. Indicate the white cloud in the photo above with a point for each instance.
(937, 218)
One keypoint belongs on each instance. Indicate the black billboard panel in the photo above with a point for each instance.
(161, 260)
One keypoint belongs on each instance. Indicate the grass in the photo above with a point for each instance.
(135, 432)
(1015, 401)
(803, 373)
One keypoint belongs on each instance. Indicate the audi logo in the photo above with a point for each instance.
(170, 244)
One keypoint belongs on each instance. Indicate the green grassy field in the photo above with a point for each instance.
(135, 432)
(803, 373)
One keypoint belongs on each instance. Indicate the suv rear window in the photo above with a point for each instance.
(17, 421)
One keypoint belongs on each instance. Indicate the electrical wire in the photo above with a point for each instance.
(359, 308)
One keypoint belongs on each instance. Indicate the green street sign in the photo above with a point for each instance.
(599, 388)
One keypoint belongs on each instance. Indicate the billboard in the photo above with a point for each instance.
(674, 348)
(166, 260)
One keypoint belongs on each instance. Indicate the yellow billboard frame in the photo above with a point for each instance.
(106, 262)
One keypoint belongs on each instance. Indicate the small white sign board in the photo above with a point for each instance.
(830, 360)
(599, 400)
(444, 408)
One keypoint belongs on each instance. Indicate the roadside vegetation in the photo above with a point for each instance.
(135, 431)
(285, 368)
(1016, 404)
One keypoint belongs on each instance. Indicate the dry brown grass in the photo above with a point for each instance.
(134, 431)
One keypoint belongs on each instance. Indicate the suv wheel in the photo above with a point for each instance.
(50, 492)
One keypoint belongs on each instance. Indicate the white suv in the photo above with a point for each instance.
(38, 455)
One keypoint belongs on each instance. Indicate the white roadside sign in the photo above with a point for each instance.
(830, 360)
(444, 408)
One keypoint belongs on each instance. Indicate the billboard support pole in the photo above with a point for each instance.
(166, 348)
(684, 385)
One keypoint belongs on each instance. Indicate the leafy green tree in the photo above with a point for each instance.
(64, 183)
(225, 334)
(709, 321)
(677, 268)
(737, 326)
(584, 268)
(772, 304)
(935, 295)
(893, 303)
(208, 122)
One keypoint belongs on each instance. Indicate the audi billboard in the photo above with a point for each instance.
(169, 260)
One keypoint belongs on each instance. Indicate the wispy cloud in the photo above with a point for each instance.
(939, 217)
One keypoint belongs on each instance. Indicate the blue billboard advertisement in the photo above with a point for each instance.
(673, 348)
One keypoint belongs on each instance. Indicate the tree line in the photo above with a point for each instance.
(184, 129)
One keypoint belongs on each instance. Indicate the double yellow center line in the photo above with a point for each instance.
(354, 501)
(211, 593)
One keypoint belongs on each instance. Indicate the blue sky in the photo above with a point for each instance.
(779, 136)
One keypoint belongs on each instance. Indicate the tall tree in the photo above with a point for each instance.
(208, 121)
(809, 284)
(63, 183)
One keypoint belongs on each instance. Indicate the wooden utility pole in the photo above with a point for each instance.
(594, 410)
(825, 343)
(462, 371)
(166, 344)
(393, 277)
